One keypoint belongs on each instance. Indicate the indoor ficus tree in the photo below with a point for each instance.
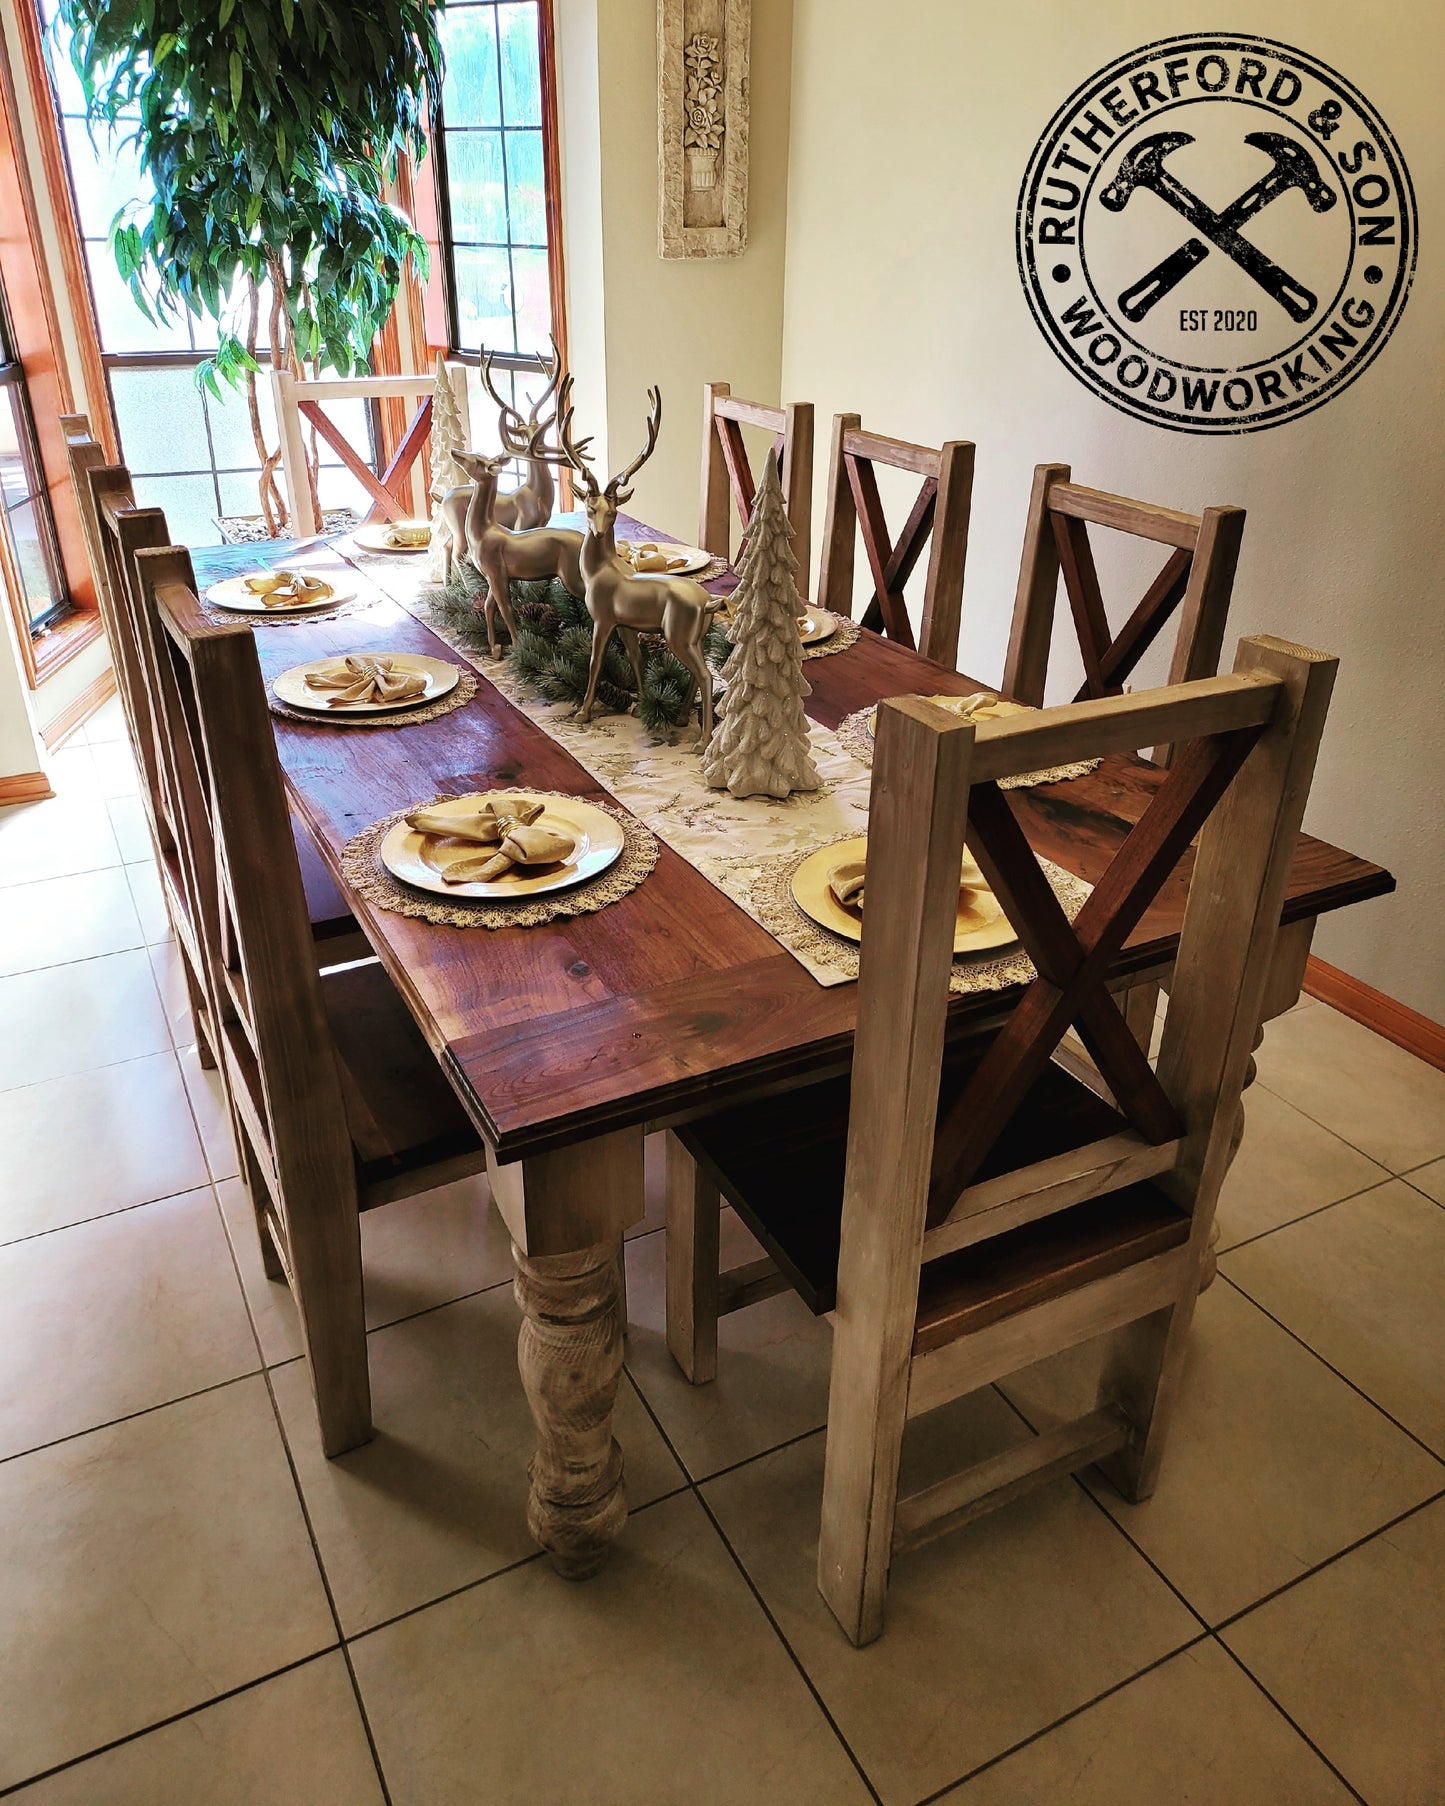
(268, 129)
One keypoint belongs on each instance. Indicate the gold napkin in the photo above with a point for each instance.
(647, 556)
(285, 589)
(521, 845)
(367, 679)
(486, 826)
(847, 879)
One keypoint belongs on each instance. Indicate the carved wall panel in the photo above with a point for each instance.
(702, 127)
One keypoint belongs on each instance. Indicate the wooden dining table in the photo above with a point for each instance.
(566, 1042)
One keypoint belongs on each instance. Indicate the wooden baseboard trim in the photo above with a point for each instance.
(25, 787)
(99, 690)
(1362, 1003)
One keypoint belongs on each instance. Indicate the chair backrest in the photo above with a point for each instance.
(939, 515)
(1246, 752)
(1196, 578)
(397, 493)
(85, 456)
(274, 1039)
(726, 471)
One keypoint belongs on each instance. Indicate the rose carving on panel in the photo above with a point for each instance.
(703, 128)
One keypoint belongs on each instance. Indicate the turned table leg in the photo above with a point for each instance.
(570, 1355)
(566, 1211)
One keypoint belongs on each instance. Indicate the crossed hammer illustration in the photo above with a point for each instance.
(1143, 167)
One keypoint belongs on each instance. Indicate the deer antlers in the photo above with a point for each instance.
(574, 452)
(519, 436)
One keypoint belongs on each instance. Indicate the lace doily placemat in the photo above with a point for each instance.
(834, 961)
(458, 698)
(234, 617)
(361, 863)
(853, 732)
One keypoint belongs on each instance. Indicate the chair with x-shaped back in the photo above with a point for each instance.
(727, 475)
(1196, 580)
(938, 519)
(965, 1210)
(397, 493)
(339, 1103)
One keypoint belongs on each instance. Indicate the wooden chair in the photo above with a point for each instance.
(341, 1104)
(115, 530)
(397, 494)
(727, 472)
(1196, 579)
(940, 513)
(966, 1212)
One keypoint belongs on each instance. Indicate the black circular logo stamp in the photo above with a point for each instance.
(1216, 233)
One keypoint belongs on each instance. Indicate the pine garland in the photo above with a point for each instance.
(554, 646)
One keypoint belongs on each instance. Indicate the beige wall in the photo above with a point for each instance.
(910, 129)
(673, 324)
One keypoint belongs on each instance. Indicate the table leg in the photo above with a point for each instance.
(566, 1211)
(1282, 992)
(570, 1355)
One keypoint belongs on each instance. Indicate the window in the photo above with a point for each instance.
(187, 453)
(494, 159)
(29, 556)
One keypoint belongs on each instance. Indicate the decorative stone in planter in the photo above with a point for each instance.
(250, 529)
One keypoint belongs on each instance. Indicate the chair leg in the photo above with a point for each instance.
(1142, 1376)
(867, 1410)
(200, 1018)
(691, 1241)
(324, 1242)
(260, 1200)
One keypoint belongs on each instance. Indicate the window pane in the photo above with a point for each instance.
(469, 95)
(14, 473)
(478, 193)
(239, 492)
(339, 489)
(231, 439)
(123, 327)
(190, 506)
(106, 174)
(161, 420)
(526, 188)
(484, 305)
(25, 539)
(533, 300)
(521, 77)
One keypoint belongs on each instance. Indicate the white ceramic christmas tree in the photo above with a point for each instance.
(446, 440)
(761, 747)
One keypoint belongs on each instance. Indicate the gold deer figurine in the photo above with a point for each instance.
(676, 607)
(526, 507)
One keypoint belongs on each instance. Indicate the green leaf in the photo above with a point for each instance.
(236, 72)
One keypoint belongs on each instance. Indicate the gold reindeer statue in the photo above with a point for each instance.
(532, 503)
(676, 607)
(504, 557)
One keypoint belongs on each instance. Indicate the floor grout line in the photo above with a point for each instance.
(112, 1423)
(160, 1724)
(1323, 1360)
(103, 1216)
(1292, 1722)
(1063, 1719)
(1327, 1561)
(695, 1489)
(1304, 1216)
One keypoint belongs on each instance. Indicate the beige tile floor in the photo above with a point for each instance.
(194, 1605)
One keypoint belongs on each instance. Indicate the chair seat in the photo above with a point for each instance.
(780, 1164)
(402, 1113)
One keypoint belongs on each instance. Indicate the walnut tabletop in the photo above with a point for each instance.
(672, 1001)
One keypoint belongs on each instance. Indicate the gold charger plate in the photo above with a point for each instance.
(418, 859)
(290, 686)
(982, 924)
(695, 559)
(817, 624)
(993, 711)
(233, 594)
(374, 536)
